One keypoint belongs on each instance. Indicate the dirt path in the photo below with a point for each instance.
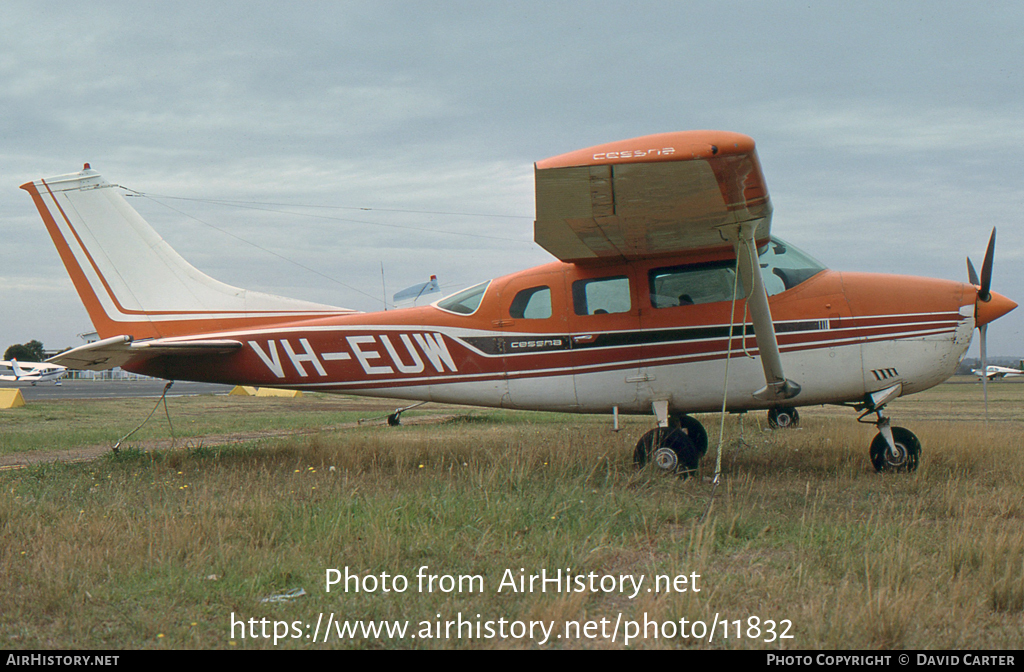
(88, 453)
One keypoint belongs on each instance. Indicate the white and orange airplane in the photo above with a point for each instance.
(670, 297)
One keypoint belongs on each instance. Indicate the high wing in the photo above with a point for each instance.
(662, 194)
(658, 194)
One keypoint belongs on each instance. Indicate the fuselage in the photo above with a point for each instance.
(592, 337)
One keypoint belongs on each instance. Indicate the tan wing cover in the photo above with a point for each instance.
(653, 195)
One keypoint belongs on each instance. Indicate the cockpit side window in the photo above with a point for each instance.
(782, 267)
(693, 284)
(601, 296)
(531, 304)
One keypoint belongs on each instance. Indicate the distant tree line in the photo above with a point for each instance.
(25, 352)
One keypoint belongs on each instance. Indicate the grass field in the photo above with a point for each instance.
(165, 549)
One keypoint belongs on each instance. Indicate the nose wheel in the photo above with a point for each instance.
(901, 457)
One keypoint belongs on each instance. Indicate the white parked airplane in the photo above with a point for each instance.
(994, 371)
(31, 372)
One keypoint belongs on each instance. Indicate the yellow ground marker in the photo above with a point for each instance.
(242, 391)
(11, 398)
(274, 392)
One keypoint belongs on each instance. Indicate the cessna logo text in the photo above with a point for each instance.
(549, 343)
(635, 153)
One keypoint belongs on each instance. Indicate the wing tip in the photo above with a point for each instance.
(673, 146)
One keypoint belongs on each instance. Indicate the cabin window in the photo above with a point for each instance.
(465, 302)
(690, 285)
(601, 296)
(531, 304)
(782, 267)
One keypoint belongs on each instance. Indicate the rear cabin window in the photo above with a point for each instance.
(601, 296)
(531, 304)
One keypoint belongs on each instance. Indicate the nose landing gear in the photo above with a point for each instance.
(894, 449)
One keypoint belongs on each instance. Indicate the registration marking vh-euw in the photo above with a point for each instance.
(366, 350)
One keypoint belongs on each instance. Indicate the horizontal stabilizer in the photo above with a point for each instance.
(119, 350)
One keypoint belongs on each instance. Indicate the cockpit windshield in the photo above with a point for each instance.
(784, 266)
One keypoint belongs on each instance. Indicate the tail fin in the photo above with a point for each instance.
(18, 371)
(131, 281)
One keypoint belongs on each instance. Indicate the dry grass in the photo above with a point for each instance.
(158, 550)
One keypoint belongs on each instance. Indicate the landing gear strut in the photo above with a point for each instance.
(675, 449)
(783, 418)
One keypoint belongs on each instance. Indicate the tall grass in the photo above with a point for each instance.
(160, 549)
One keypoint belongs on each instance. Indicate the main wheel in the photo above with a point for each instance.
(667, 448)
(694, 430)
(908, 449)
(783, 418)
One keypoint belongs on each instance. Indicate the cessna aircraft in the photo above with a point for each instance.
(670, 296)
(31, 372)
(993, 371)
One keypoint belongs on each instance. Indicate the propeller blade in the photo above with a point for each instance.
(972, 275)
(984, 366)
(986, 268)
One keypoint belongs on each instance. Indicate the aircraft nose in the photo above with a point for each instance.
(987, 311)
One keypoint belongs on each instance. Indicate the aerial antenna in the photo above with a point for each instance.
(383, 287)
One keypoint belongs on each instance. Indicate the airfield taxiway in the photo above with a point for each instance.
(113, 389)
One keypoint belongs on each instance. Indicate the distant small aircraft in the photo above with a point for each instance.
(31, 372)
(669, 296)
(993, 371)
(416, 291)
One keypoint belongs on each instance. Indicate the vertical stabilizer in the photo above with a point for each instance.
(130, 279)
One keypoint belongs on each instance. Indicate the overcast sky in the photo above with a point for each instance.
(891, 133)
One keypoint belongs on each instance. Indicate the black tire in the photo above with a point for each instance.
(783, 418)
(907, 445)
(394, 420)
(693, 429)
(668, 449)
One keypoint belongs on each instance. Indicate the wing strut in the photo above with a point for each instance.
(777, 386)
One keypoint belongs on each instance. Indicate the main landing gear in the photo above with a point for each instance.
(674, 449)
(783, 418)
